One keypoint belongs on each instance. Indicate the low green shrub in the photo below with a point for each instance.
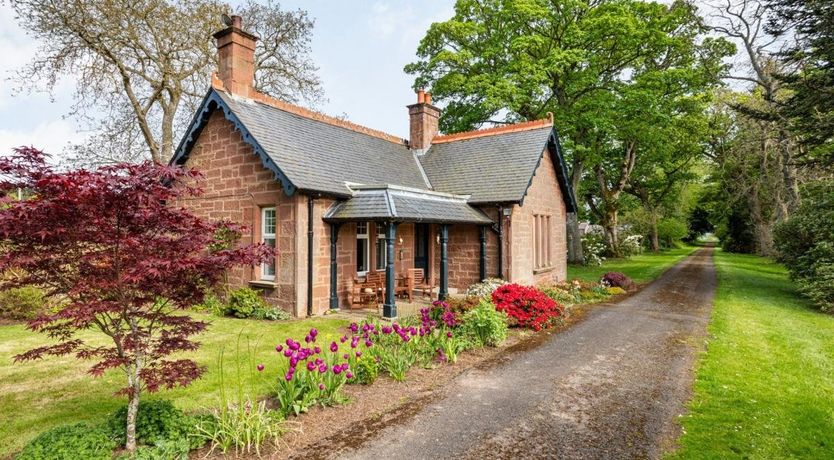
(485, 325)
(366, 371)
(244, 302)
(214, 305)
(271, 314)
(820, 287)
(70, 442)
(156, 421)
(163, 450)
(21, 304)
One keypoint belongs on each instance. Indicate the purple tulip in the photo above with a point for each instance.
(343, 339)
(333, 347)
(321, 386)
(358, 354)
(337, 370)
(317, 350)
(386, 330)
(288, 377)
(279, 348)
(311, 366)
(314, 332)
(354, 342)
(354, 327)
(323, 368)
(318, 361)
(295, 346)
(287, 353)
(293, 361)
(308, 339)
(260, 367)
(368, 343)
(449, 334)
(349, 375)
(346, 356)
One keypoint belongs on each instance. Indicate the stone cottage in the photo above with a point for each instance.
(340, 201)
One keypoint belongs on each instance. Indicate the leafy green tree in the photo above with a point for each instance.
(504, 61)
(810, 106)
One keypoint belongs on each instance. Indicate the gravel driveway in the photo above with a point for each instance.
(610, 386)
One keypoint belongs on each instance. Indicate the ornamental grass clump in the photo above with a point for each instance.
(526, 306)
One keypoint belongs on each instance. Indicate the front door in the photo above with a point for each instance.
(421, 247)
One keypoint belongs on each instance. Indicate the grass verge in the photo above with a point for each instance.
(764, 387)
(641, 268)
(36, 396)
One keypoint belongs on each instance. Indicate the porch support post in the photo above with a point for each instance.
(482, 261)
(334, 272)
(501, 242)
(444, 262)
(389, 308)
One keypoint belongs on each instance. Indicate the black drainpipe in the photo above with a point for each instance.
(309, 255)
(500, 241)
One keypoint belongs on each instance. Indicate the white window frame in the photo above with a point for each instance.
(380, 235)
(269, 266)
(364, 236)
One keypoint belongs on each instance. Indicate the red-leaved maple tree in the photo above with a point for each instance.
(114, 254)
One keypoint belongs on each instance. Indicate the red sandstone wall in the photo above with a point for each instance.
(236, 186)
(543, 197)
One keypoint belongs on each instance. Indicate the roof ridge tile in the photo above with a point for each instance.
(516, 127)
(217, 84)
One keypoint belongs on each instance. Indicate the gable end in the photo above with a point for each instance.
(210, 103)
(554, 147)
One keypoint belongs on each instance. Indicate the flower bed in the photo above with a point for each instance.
(526, 306)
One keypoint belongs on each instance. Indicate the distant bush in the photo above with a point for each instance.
(617, 279)
(526, 306)
(631, 245)
(593, 248)
(485, 324)
(70, 442)
(458, 305)
(805, 244)
(21, 304)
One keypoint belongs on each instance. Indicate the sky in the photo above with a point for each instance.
(360, 48)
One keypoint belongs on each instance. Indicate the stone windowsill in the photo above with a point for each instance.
(265, 284)
(543, 270)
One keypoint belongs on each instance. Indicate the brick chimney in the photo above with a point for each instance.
(423, 122)
(236, 58)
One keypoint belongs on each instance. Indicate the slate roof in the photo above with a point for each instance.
(390, 202)
(490, 169)
(312, 152)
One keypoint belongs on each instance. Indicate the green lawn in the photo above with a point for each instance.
(765, 386)
(641, 268)
(35, 396)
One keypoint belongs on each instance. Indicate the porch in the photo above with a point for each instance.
(409, 231)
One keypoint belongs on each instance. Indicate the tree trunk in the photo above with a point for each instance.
(609, 224)
(655, 240)
(788, 173)
(574, 240)
(132, 407)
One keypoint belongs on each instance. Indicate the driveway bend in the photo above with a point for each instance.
(610, 386)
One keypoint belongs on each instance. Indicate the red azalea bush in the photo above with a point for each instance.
(526, 306)
(617, 279)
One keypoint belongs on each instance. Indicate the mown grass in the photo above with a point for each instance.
(36, 396)
(641, 268)
(765, 385)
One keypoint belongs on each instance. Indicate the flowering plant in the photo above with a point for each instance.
(485, 287)
(617, 279)
(526, 306)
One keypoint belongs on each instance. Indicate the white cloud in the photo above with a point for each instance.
(50, 137)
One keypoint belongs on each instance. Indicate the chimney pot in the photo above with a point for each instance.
(236, 58)
(423, 121)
